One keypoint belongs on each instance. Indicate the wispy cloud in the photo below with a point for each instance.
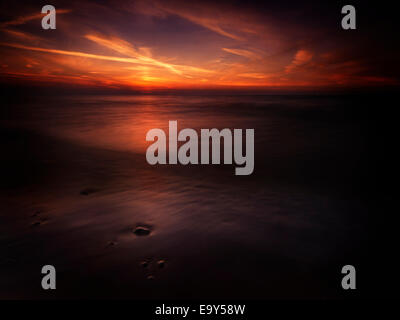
(22, 35)
(301, 58)
(124, 47)
(27, 18)
(253, 75)
(72, 53)
(242, 53)
(224, 23)
(141, 55)
(207, 22)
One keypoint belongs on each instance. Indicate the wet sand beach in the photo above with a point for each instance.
(77, 193)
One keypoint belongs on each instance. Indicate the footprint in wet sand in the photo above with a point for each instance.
(36, 213)
(145, 263)
(40, 219)
(152, 266)
(161, 263)
(88, 191)
(142, 230)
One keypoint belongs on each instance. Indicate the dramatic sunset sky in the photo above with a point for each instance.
(185, 44)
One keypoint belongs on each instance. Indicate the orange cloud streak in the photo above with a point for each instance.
(25, 19)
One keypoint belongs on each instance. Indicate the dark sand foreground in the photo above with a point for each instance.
(283, 232)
